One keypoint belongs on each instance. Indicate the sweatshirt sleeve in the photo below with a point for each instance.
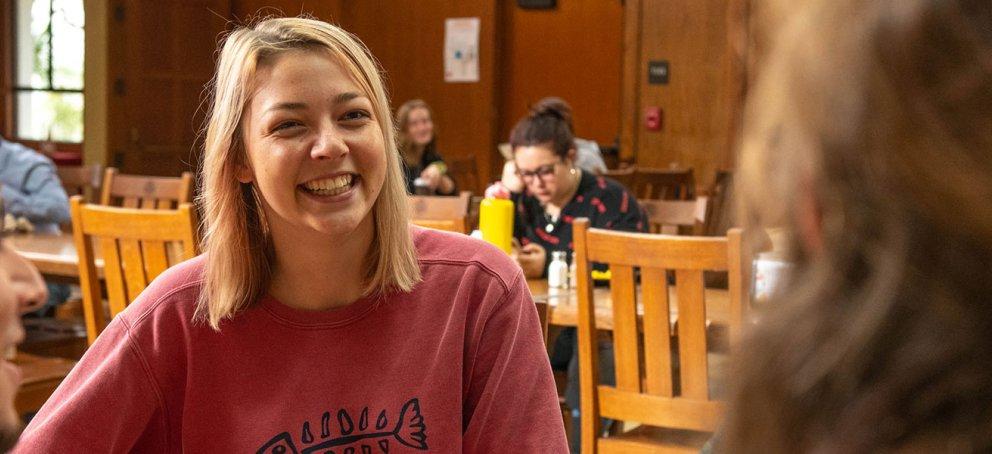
(109, 403)
(511, 402)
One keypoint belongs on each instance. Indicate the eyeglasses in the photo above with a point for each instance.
(544, 172)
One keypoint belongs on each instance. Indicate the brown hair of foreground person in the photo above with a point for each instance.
(869, 135)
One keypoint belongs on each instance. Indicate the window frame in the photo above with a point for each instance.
(8, 105)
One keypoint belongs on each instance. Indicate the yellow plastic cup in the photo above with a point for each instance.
(496, 222)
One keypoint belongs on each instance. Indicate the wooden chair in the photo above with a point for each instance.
(624, 176)
(146, 192)
(133, 244)
(81, 180)
(441, 212)
(463, 170)
(663, 184)
(675, 410)
(671, 216)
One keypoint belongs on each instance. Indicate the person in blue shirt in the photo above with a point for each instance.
(31, 188)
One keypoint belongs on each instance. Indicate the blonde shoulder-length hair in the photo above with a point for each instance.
(237, 243)
(408, 150)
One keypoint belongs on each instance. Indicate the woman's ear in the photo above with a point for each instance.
(244, 173)
(571, 154)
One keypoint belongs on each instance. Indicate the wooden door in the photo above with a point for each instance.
(162, 57)
(704, 43)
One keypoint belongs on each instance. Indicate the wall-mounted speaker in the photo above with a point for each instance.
(537, 4)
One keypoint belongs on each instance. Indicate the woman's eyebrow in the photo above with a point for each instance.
(287, 106)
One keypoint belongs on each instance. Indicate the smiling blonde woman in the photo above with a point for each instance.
(318, 320)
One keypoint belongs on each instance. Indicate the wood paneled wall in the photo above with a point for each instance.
(325, 10)
(704, 42)
(407, 36)
(573, 52)
(161, 57)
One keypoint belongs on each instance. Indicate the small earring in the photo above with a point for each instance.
(573, 171)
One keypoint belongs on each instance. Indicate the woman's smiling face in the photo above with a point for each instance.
(315, 149)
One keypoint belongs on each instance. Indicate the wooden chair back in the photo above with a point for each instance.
(673, 217)
(721, 215)
(677, 405)
(441, 212)
(624, 176)
(133, 245)
(145, 192)
(81, 180)
(663, 184)
(463, 170)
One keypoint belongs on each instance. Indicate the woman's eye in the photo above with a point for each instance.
(286, 125)
(356, 115)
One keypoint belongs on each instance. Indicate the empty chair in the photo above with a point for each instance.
(663, 184)
(673, 404)
(146, 192)
(81, 180)
(677, 216)
(624, 176)
(133, 249)
(441, 212)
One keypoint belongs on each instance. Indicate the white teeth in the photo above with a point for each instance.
(329, 186)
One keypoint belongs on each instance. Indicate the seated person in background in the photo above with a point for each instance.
(31, 187)
(421, 161)
(587, 154)
(21, 288)
(317, 319)
(870, 138)
(556, 193)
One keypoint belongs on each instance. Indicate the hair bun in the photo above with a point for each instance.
(545, 110)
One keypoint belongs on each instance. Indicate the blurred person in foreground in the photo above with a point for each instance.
(20, 286)
(870, 136)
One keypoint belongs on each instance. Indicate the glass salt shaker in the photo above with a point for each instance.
(558, 270)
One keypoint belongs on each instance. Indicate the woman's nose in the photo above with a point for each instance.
(329, 146)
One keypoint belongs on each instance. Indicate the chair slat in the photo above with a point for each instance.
(692, 333)
(134, 268)
(156, 258)
(625, 328)
(114, 277)
(657, 333)
(131, 202)
(147, 204)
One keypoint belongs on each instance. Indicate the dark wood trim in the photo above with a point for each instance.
(630, 109)
(6, 69)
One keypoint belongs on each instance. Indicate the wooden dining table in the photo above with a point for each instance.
(563, 304)
(53, 254)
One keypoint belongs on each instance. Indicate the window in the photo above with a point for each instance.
(48, 70)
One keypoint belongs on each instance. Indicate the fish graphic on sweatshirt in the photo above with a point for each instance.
(408, 430)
